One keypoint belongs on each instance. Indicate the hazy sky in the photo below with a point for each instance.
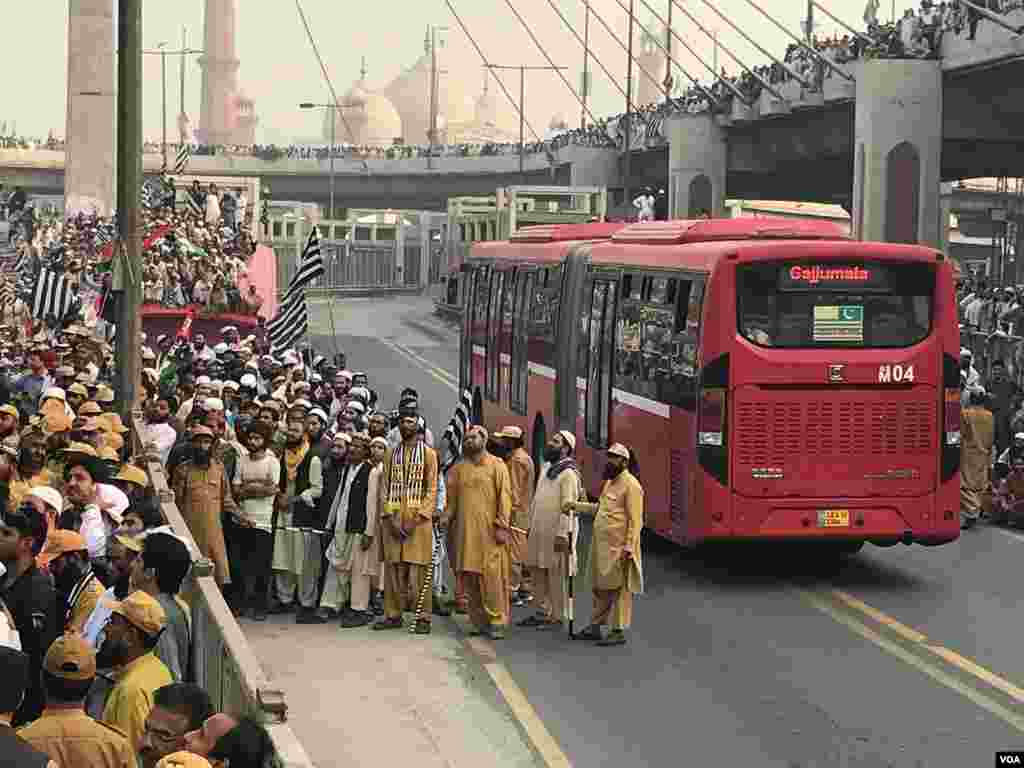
(278, 68)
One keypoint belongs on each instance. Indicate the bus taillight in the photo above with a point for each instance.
(951, 418)
(711, 418)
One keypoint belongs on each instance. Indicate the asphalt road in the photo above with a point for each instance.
(906, 656)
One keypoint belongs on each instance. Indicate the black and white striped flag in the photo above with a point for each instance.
(193, 205)
(456, 430)
(292, 320)
(181, 161)
(52, 296)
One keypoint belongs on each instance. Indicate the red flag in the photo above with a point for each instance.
(185, 332)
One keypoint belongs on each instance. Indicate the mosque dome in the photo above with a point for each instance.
(366, 117)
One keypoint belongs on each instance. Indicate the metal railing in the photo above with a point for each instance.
(359, 266)
(222, 661)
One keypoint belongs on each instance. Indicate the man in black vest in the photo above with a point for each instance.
(353, 519)
(335, 463)
(297, 531)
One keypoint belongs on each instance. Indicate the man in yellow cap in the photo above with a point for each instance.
(183, 760)
(616, 570)
(479, 510)
(521, 472)
(9, 422)
(64, 731)
(78, 589)
(131, 637)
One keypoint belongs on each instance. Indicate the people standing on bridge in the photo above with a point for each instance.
(616, 566)
(977, 433)
(551, 547)
(408, 493)
(480, 514)
(298, 549)
(521, 473)
(64, 731)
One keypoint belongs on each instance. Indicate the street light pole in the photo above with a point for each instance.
(162, 52)
(334, 127)
(522, 113)
(626, 169)
(585, 85)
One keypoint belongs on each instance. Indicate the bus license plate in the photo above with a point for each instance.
(833, 518)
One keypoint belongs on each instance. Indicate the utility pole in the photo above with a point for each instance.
(434, 96)
(585, 85)
(522, 101)
(626, 170)
(668, 54)
(129, 183)
(810, 22)
(162, 52)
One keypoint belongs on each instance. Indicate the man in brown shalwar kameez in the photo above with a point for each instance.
(202, 493)
(977, 432)
(479, 509)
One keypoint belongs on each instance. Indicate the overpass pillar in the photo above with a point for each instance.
(897, 151)
(90, 132)
(697, 166)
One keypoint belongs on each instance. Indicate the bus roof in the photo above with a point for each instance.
(554, 233)
(681, 231)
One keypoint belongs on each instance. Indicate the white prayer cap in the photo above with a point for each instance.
(965, 352)
(356, 406)
(569, 437)
(248, 380)
(214, 404)
(221, 348)
(319, 413)
(203, 380)
(232, 385)
(54, 392)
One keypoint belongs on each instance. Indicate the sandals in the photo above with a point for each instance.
(532, 621)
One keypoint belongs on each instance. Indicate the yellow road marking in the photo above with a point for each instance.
(438, 373)
(978, 698)
(900, 629)
(425, 363)
(952, 657)
(549, 750)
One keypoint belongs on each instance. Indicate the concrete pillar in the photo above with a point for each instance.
(697, 165)
(945, 212)
(897, 151)
(90, 159)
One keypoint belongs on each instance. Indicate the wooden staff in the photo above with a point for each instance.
(428, 582)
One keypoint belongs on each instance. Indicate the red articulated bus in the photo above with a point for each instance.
(777, 379)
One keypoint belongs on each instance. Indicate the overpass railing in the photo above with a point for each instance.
(223, 663)
(354, 266)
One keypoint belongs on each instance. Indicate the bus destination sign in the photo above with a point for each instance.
(833, 277)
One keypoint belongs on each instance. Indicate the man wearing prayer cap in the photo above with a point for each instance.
(407, 406)
(615, 568)
(551, 552)
(478, 511)
(131, 637)
(64, 731)
(408, 492)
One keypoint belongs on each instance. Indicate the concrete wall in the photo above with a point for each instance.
(91, 107)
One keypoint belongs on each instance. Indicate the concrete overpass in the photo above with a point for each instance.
(960, 116)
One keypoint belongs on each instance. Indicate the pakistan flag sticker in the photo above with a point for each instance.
(842, 323)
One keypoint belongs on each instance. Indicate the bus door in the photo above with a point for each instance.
(598, 316)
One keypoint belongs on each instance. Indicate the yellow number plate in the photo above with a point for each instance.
(833, 518)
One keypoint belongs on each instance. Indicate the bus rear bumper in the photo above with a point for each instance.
(879, 521)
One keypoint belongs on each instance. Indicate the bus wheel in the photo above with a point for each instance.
(540, 440)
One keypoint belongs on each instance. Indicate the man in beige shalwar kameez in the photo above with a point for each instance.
(616, 570)
(479, 509)
(977, 431)
(203, 495)
(522, 475)
(551, 551)
(408, 496)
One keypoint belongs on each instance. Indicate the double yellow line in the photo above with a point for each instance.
(974, 682)
(419, 361)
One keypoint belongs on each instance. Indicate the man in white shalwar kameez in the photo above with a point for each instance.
(551, 546)
(351, 553)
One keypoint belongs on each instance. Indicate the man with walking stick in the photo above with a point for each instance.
(550, 549)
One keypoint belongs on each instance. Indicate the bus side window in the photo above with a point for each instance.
(483, 295)
(493, 336)
(627, 365)
(679, 387)
(547, 297)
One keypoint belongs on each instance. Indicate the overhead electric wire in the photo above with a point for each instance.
(764, 51)
(550, 60)
(512, 101)
(707, 94)
(718, 78)
(604, 69)
(764, 83)
(327, 78)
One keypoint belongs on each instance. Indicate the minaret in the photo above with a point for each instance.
(220, 73)
(652, 59)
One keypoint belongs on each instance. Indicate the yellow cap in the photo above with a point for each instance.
(70, 657)
(183, 760)
(142, 612)
(90, 408)
(131, 474)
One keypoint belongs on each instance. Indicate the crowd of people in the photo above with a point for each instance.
(306, 495)
(196, 244)
(918, 33)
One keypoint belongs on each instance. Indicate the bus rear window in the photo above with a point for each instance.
(806, 305)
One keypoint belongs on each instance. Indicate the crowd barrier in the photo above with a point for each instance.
(222, 661)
